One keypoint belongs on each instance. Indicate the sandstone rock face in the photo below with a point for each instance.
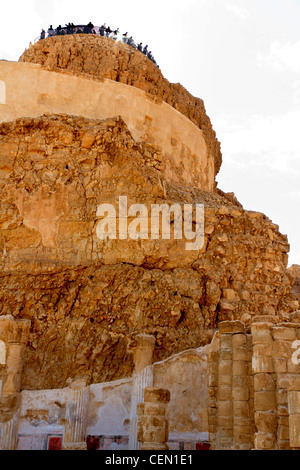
(99, 58)
(294, 270)
(87, 298)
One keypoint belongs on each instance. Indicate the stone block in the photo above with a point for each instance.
(225, 355)
(241, 408)
(264, 441)
(15, 354)
(282, 332)
(239, 340)
(224, 393)
(213, 380)
(225, 367)
(226, 342)
(294, 402)
(266, 421)
(156, 395)
(154, 409)
(240, 381)
(225, 423)
(241, 394)
(12, 384)
(280, 364)
(282, 396)
(225, 408)
(292, 367)
(262, 350)
(225, 379)
(241, 421)
(294, 431)
(261, 333)
(283, 445)
(282, 410)
(240, 354)
(288, 381)
(262, 364)
(153, 423)
(18, 331)
(265, 401)
(282, 348)
(158, 435)
(239, 368)
(283, 433)
(231, 327)
(263, 382)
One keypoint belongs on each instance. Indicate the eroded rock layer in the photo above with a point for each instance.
(87, 299)
(98, 57)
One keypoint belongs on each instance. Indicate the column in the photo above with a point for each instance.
(264, 382)
(242, 429)
(153, 429)
(14, 336)
(142, 378)
(224, 397)
(212, 383)
(76, 415)
(294, 418)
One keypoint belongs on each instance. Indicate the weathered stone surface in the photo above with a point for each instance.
(105, 58)
(86, 297)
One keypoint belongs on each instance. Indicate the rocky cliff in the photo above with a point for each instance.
(86, 298)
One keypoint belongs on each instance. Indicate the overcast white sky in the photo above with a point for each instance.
(242, 57)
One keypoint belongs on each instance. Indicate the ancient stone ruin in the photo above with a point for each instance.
(90, 325)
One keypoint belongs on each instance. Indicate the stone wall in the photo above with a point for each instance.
(254, 379)
(172, 143)
(96, 57)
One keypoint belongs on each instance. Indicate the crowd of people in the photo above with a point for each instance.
(103, 31)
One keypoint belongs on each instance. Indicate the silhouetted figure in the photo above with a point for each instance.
(131, 42)
(102, 29)
(58, 30)
(50, 31)
(124, 38)
(70, 28)
(108, 31)
(145, 50)
(88, 28)
(140, 47)
(42, 36)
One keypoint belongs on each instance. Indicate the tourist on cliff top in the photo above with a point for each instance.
(125, 37)
(42, 36)
(131, 42)
(102, 29)
(108, 31)
(88, 28)
(50, 31)
(70, 28)
(145, 50)
(140, 47)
